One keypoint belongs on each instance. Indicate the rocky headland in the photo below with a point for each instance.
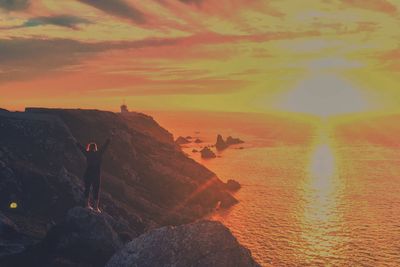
(148, 183)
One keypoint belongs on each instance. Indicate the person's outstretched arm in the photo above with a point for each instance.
(104, 147)
(81, 148)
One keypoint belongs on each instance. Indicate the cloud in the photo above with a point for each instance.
(197, 2)
(23, 58)
(14, 5)
(60, 20)
(374, 5)
(118, 8)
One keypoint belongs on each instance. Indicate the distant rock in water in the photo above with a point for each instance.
(233, 141)
(205, 243)
(207, 153)
(233, 185)
(220, 144)
(182, 140)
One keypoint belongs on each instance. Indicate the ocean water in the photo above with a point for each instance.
(313, 193)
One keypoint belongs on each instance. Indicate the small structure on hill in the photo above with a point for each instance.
(124, 108)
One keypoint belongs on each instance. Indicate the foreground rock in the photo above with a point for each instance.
(204, 243)
(84, 238)
(11, 240)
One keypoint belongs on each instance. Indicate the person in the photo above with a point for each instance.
(92, 176)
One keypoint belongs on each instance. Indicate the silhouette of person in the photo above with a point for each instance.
(92, 176)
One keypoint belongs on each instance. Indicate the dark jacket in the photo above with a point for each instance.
(93, 160)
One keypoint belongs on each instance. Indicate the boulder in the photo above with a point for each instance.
(84, 236)
(8, 228)
(207, 153)
(220, 144)
(198, 141)
(233, 185)
(182, 140)
(204, 243)
(11, 240)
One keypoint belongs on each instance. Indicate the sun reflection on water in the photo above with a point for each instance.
(321, 221)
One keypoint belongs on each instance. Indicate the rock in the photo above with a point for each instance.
(11, 240)
(227, 201)
(188, 137)
(198, 141)
(8, 228)
(207, 153)
(195, 151)
(232, 185)
(233, 141)
(220, 144)
(84, 236)
(182, 140)
(204, 243)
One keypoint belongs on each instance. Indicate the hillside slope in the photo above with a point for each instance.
(147, 180)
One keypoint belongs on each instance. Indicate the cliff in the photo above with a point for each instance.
(147, 182)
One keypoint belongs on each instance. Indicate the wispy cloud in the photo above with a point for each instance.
(60, 20)
(384, 6)
(26, 58)
(14, 5)
(118, 8)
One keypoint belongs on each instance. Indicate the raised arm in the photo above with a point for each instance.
(104, 147)
(81, 148)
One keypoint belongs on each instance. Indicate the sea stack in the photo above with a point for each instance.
(220, 144)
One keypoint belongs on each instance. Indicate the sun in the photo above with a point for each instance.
(324, 94)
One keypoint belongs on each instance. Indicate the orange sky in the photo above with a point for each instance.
(317, 56)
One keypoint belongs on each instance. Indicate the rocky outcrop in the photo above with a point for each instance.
(147, 182)
(233, 185)
(233, 141)
(11, 241)
(207, 153)
(41, 170)
(205, 243)
(182, 140)
(198, 141)
(85, 236)
(220, 144)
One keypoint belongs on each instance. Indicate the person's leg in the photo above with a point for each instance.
(96, 191)
(87, 192)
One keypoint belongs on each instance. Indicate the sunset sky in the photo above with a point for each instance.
(216, 55)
